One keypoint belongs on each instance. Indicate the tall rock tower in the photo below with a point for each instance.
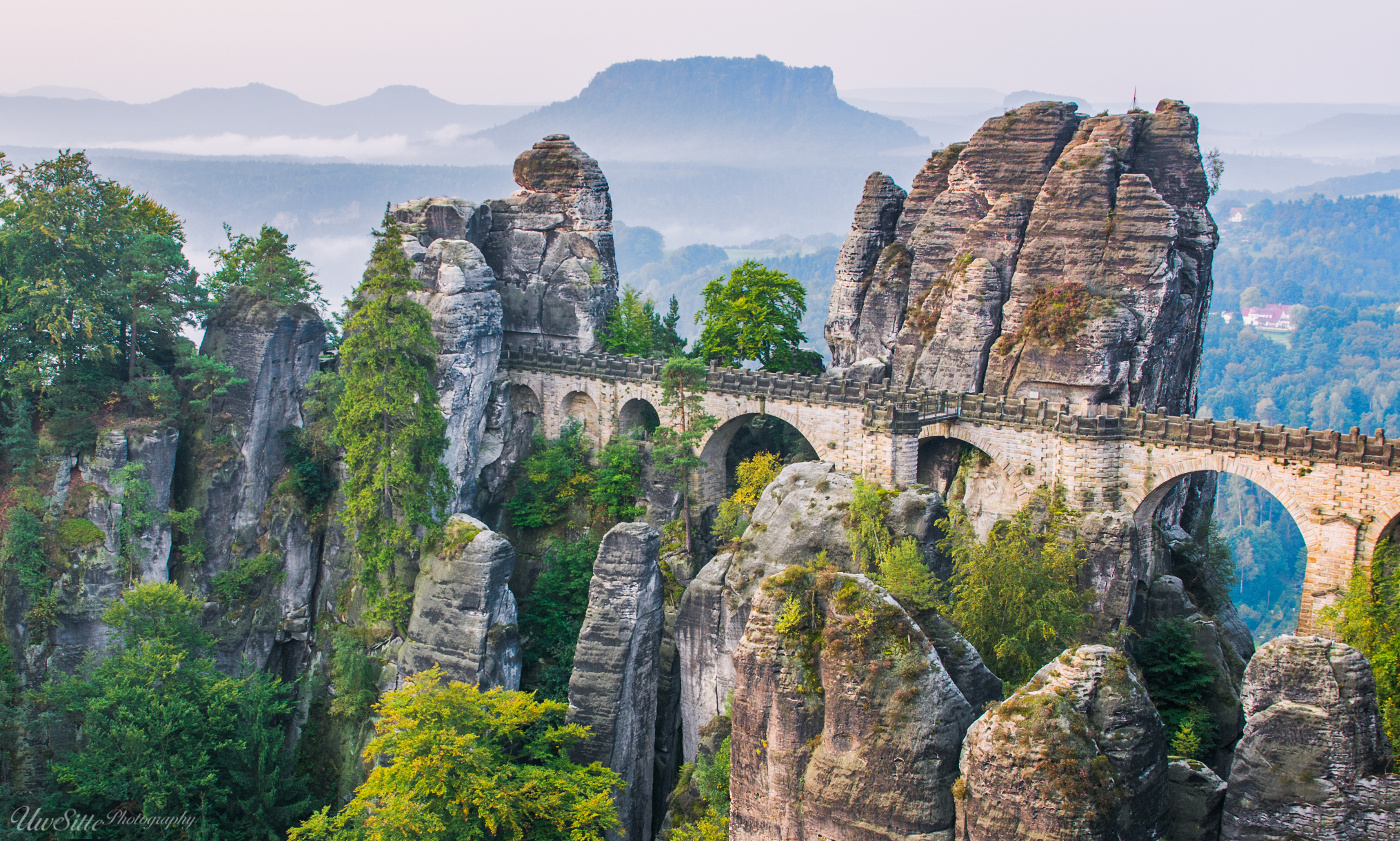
(1052, 255)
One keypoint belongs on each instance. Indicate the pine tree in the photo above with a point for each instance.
(389, 423)
(682, 384)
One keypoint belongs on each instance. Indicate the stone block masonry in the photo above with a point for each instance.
(1342, 489)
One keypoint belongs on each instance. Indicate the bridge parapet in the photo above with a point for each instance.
(904, 412)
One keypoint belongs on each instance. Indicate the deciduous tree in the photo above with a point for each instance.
(452, 762)
(755, 315)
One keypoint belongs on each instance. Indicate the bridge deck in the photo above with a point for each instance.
(906, 411)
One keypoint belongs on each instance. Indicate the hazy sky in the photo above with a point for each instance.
(499, 51)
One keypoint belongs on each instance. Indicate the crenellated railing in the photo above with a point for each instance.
(903, 411)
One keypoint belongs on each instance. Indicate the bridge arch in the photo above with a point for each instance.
(1271, 600)
(1165, 477)
(580, 406)
(715, 446)
(1021, 483)
(638, 412)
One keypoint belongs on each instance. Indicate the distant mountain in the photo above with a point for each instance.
(1345, 135)
(741, 111)
(176, 123)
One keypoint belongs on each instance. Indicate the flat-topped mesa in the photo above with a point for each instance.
(1053, 255)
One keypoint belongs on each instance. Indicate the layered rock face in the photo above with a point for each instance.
(551, 246)
(800, 516)
(613, 688)
(1053, 254)
(1078, 752)
(1195, 801)
(464, 614)
(459, 289)
(1312, 761)
(845, 723)
(534, 269)
(276, 349)
(93, 488)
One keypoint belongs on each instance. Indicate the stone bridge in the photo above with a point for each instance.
(1343, 490)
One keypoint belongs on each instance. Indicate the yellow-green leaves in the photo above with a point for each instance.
(452, 762)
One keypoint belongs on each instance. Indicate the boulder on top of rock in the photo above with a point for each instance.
(1078, 752)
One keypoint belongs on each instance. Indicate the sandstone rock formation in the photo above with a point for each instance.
(276, 348)
(459, 289)
(1043, 210)
(1195, 801)
(1312, 761)
(613, 688)
(464, 614)
(845, 723)
(1167, 600)
(551, 247)
(800, 516)
(535, 268)
(1078, 752)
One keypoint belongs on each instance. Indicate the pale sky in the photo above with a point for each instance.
(515, 51)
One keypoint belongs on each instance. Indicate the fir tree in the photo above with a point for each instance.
(389, 423)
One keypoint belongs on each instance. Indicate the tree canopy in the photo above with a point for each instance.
(94, 290)
(265, 266)
(755, 316)
(452, 762)
(1015, 595)
(634, 328)
(162, 732)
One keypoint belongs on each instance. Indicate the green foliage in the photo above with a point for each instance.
(354, 675)
(755, 316)
(905, 575)
(245, 578)
(555, 474)
(866, 532)
(452, 762)
(618, 481)
(1186, 742)
(162, 731)
(898, 565)
(753, 475)
(77, 532)
(552, 615)
(634, 328)
(712, 825)
(1015, 596)
(711, 777)
(265, 266)
(158, 612)
(390, 425)
(1368, 619)
(1180, 680)
(206, 378)
(22, 549)
(682, 390)
(94, 291)
(137, 515)
(310, 469)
